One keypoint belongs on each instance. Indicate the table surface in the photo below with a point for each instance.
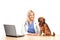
(27, 37)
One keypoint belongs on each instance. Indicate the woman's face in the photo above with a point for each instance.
(31, 16)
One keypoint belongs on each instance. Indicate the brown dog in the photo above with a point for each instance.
(44, 27)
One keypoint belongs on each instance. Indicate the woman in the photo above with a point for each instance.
(30, 26)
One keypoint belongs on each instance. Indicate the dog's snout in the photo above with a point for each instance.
(40, 21)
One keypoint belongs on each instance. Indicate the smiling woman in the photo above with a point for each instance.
(14, 12)
(30, 25)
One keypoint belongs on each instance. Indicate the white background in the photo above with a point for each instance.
(15, 12)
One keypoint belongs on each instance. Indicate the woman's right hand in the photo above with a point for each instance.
(32, 34)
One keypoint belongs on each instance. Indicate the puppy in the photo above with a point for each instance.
(44, 29)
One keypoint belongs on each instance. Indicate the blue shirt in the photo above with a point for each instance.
(31, 28)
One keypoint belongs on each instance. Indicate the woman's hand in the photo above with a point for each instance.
(32, 34)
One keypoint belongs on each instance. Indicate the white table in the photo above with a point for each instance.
(27, 37)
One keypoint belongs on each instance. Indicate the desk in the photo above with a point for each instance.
(27, 37)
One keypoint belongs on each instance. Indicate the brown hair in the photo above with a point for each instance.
(40, 18)
(40, 21)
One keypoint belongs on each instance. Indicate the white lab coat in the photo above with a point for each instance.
(36, 27)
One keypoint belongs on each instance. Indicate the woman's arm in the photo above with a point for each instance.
(25, 28)
(37, 29)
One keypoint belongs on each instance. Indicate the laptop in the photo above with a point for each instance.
(10, 30)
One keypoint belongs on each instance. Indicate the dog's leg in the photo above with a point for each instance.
(40, 32)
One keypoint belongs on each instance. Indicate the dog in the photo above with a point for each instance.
(44, 28)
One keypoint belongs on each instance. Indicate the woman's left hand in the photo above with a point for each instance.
(31, 34)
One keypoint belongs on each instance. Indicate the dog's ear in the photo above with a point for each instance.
(38, 19)
(44, 19)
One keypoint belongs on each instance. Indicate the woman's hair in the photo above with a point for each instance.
(30, 11)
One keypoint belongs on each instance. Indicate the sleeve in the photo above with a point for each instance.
(37, 29)
(25, 28)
